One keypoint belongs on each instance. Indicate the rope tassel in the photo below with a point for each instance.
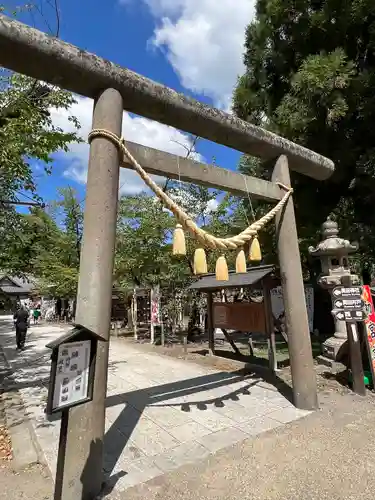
(255, 253)
(222, 269)
(200, 261)
(179, 244)
(241, 262)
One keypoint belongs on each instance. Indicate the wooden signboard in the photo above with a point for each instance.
(241, 316)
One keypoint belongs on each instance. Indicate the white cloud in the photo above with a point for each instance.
(135, 129)
(193, 206)
(204, 42)
(212, 206)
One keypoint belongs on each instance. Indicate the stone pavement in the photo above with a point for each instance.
(162, 413)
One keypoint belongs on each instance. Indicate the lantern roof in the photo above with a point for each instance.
(332, 244)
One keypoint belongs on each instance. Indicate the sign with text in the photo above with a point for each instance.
(242, 316)
(370, 327)
(349, 315)
(72, 374)
(348, 304)
(342, 292)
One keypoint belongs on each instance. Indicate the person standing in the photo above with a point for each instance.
(36, 314)
(21, 318)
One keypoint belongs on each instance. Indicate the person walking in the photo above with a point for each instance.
(21, 318)
(36, 314)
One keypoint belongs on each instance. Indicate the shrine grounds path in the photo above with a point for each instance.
(328, 455)
(176, 430)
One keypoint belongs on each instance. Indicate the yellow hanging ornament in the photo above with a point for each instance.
(255, 254)
(241, 262)
(200, 261)
(222, 269)
(179, 244)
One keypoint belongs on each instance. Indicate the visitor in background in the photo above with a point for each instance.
(36, 314)
(21, 318)
(58, 309)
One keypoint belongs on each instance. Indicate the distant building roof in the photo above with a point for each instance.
(12, 285)
(236, 280)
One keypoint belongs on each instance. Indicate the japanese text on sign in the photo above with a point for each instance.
(72, 373)
(348, 292)
(348, 303)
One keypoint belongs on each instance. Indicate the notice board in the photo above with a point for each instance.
(241, 316)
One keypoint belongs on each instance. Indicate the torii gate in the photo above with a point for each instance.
(31, 52)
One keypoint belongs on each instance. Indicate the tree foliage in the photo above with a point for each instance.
(143, 256)
(27, 135)
(27, 132)
(145, 232)
(310, 76)
(47, 246)
(57, 265)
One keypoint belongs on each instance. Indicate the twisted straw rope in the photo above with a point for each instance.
(205, 238)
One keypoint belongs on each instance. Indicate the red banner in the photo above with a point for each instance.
(370, 327)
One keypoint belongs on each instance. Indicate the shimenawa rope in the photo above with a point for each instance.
(205, 238)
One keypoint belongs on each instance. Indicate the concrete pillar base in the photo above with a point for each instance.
(334, 366)
(335, 348)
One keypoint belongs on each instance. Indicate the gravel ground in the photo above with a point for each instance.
(198, 354)
(33, 483)
(5, 444)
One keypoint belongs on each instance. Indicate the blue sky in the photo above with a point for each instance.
(193, 46)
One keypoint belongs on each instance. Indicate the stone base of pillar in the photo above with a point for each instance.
(334, 366)
(335, 348)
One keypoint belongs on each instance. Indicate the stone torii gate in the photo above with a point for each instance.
(31, 52)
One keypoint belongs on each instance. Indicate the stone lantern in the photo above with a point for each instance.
(333, 253)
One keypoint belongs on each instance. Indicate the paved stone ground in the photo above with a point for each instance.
(327, 456)
(162, 413)
(31, 483)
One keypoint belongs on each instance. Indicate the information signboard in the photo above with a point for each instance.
(348, 304)
(349, 315)
(241, 316)
(72, 374)
(347, 292)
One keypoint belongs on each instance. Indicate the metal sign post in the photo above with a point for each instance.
(349, 307)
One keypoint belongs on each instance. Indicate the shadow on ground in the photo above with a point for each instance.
(32, 371)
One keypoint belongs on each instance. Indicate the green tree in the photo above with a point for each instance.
(47, 245)
(310, 76)
(32, 234)
(57, 263)
(27, 134)
(143, 249)
(67, 210)
(144, 256)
